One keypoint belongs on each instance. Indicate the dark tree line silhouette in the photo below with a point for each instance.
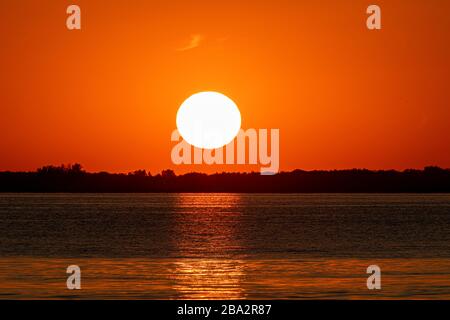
(72, 178)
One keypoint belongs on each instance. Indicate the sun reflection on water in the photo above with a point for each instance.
(208, 279)
(205, 229)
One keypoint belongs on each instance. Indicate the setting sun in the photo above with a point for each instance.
(208, 120)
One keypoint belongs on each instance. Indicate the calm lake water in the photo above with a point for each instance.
(227, 246)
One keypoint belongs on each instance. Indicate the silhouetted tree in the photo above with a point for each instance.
(62, 169)
(72, 178)
(139, 173)
(168, 174)
(76, 168)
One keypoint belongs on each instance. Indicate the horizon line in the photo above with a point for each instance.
(76, 167)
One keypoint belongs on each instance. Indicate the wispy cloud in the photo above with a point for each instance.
(194, 42)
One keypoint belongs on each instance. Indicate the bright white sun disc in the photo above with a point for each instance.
(208, 120)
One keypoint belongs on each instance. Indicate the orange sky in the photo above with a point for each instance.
(341, 95)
